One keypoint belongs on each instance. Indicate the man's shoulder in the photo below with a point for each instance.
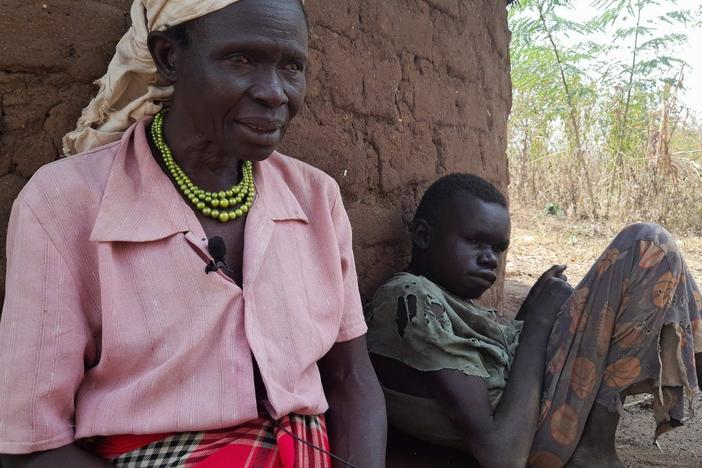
(407, 283)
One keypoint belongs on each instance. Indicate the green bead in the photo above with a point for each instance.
(200, 198)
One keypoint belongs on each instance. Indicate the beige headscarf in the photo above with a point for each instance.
(131, 88)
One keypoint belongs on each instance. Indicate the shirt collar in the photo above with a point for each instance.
(141, 204)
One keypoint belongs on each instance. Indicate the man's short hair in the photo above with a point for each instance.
(449, 185)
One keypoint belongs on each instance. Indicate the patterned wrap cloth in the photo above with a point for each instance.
(631, 326)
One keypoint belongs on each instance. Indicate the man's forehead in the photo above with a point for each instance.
(467, 205)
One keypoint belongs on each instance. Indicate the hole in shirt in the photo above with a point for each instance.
(406, 311)
(437, 310)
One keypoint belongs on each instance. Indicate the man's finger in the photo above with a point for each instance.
(555, 270)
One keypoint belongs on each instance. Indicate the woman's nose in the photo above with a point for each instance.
(269, 89)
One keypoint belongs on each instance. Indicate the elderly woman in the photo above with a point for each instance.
(180, 294)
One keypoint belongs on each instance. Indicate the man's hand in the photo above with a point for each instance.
(546, 297)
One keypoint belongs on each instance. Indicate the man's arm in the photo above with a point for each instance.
(514, 420)
(69, 456)
(356, 419)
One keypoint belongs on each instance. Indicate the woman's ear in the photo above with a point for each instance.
(164, 52)
(420, 232)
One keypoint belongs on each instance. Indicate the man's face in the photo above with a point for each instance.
(241, 78)
(467, 244)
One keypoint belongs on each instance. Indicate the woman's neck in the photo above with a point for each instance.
(203, 162)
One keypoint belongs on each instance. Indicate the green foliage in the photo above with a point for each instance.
(595, 108)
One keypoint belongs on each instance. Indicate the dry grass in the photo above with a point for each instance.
(540, 240)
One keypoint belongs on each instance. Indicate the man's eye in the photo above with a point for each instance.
(239, 59)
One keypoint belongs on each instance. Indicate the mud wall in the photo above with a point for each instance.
(400, 93)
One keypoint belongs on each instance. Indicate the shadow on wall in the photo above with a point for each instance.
(400, 92)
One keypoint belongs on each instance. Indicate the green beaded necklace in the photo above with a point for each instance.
(225, 205)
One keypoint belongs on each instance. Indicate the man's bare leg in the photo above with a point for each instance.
(597, 446)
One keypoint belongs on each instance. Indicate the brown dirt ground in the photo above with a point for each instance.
(539, 241)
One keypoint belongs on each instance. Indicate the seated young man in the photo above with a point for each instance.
(544, 389)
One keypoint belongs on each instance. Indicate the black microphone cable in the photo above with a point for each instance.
(335, 457)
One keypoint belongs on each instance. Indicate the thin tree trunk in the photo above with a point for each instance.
(579, 153)
(623, 124)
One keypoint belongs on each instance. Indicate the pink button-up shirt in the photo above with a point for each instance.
(111, 326)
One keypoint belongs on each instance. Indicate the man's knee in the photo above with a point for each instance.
(648, 231)
(652, 232)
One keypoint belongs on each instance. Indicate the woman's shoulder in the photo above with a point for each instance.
(302, 178)
(80, 178)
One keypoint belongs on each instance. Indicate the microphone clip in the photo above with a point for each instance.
(212, 266)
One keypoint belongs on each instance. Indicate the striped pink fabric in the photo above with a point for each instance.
(111, 326)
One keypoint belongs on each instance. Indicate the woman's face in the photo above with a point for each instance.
(241, 77)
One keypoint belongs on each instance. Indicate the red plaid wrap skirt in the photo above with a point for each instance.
(260, 443)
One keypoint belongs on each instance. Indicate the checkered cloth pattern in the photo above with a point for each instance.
(261, 443)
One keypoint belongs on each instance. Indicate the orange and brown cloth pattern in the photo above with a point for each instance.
(632, 325)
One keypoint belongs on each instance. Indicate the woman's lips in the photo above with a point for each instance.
(262, 133)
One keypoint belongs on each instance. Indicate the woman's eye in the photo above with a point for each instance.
(294, 66)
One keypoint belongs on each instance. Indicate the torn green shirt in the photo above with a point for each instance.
(453, 334)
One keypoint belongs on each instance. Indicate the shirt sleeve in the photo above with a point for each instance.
(411, 325)
(353, 324)
(43, 341)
